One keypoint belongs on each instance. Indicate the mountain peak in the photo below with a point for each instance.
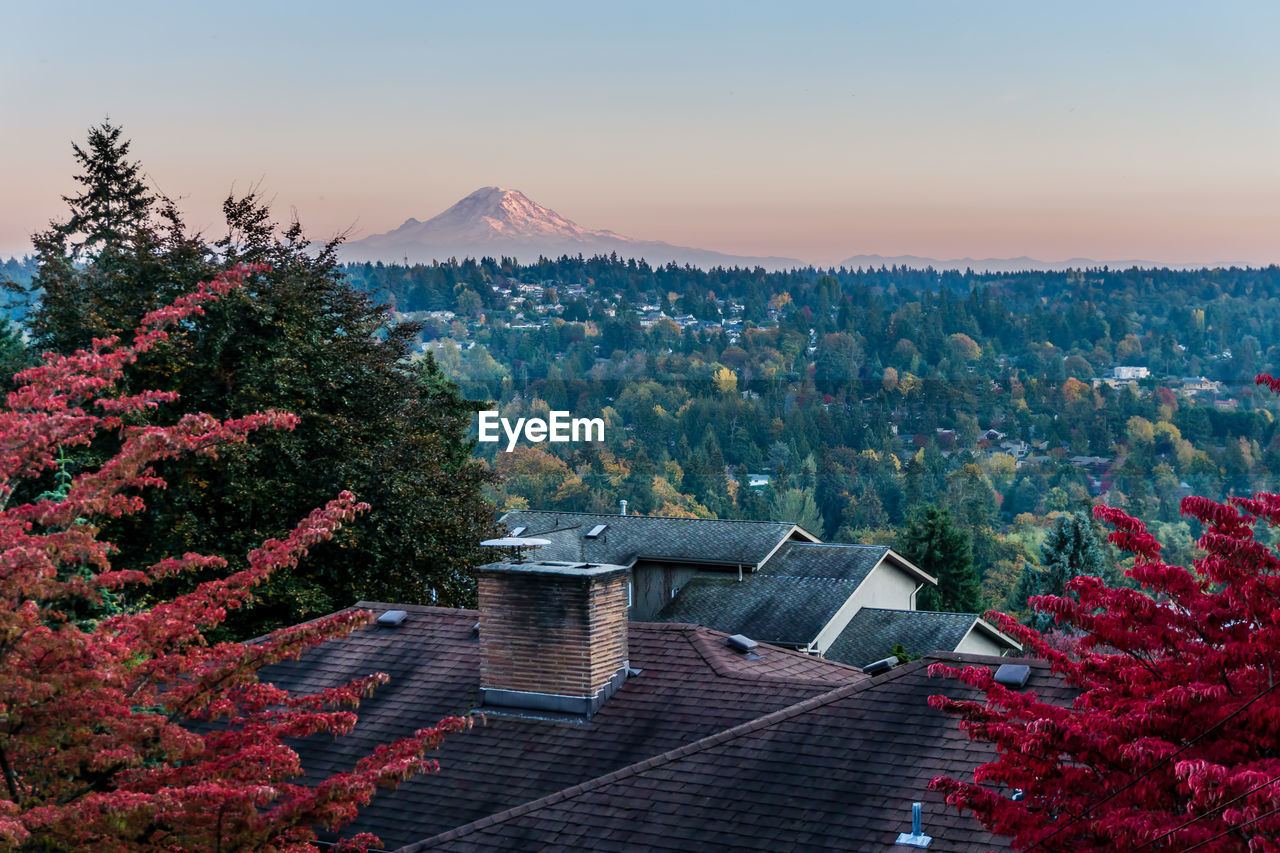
(498, 213)
(497, 221)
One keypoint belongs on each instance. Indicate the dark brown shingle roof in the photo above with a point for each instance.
(692, 686)
(834, 772)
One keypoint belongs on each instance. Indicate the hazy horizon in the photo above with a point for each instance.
(818, 131)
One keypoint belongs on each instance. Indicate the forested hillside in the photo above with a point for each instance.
(843, 399)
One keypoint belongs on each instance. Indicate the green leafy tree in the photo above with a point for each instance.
(299, 337)
(933, 542)
(796, 506)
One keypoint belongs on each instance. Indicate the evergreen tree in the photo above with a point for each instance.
(1071, 549)
(933, 542)
(298, 337)
(14, 355)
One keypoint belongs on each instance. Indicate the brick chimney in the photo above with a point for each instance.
(553, 636)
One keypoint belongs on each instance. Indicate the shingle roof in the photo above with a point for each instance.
(787, 602)
(812, 560)
(628, 537)
(780, 610)
(692, 686)
(835, 772)
(872, 633)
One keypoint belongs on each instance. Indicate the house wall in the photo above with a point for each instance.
(885, 586)
(652, 584)
(978, 643)
(889, 588)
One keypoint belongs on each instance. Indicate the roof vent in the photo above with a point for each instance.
(1013, 675)
(392, 618)
(594, 533)
(740, 643)
(883, 665)
(916, 838)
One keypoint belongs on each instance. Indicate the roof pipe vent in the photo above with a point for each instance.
(392, 618)
(916, 838)
(623, 504)
(883, 665)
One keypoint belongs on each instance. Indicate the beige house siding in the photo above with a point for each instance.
(885, 586)
(979, 643)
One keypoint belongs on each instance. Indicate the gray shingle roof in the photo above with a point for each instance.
(628, 537)
(836, 772)
(787, 602)
(692, 686)
(842, 562)
(872, 633)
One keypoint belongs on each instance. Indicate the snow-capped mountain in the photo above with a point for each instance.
(496, 222)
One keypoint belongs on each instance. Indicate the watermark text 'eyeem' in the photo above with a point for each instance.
(559, 427)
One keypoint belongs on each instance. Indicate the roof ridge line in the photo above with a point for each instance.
(664, 517)
(843, 545)
(927, 612)
(723, 736)
(768, 574)
(695, 631)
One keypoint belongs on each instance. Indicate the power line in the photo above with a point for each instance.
(1135, 780)
(1200, 817)
(1227, 832)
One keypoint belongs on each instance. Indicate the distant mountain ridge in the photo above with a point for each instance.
(495, 221)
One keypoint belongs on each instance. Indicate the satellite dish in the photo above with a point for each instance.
(519, 543)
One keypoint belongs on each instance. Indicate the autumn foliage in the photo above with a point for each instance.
(131, 731)
(1173, 742)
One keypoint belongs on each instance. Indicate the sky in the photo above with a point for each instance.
(812, 130)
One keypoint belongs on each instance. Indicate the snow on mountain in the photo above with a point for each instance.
(494, 221)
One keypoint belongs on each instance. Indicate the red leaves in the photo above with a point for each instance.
(97, 744)
(1172, 742)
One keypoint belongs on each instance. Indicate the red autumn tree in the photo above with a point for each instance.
(1173, 742)
(131, 732)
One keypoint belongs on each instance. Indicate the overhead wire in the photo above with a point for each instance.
(1205, 815)
(1227, 832)
(1135, 780)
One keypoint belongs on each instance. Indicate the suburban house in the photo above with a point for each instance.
(663, 553)
(605, 733)
(1123, 376)
(770, 581)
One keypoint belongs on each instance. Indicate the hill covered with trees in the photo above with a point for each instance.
(846, 398)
